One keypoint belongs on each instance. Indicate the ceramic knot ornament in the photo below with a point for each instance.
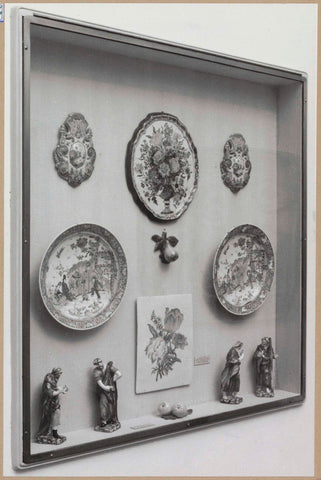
(236, 165)
(74, 155)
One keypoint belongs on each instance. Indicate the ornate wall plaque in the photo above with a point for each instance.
(74, 155)
(83, 277)
(243, 269)
(236, 165)
(164, 165)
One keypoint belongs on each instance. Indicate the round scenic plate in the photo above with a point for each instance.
(83, 277)
(164, 165)
(243, 269)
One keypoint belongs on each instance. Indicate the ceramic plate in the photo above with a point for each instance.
(164, 165)
(243, 269)
(83, 276)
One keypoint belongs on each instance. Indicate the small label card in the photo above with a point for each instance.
(203, 360)
(143, 425)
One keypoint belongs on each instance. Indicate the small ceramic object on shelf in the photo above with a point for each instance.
(178, 410)
(50, 404)
(74, 155)
(164, 245)
(243, 269)
(236, 165)
(164, 165)
(164, 408)
(263, 365)
(230, 377)
(106, 377)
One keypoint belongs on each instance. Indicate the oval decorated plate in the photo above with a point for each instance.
(164, 165)
(243, 269)
(83, 276)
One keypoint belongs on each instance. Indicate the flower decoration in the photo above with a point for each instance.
(165, 340)
(173, 319)
(163, 166)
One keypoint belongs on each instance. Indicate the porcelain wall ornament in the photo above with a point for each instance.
(83, 276)
(230, 378)
(106, 377)
(243, 269)
(164, 245)
(236, 165)
(74, 155)
(164, 165)
(263, 367)
(50, 405)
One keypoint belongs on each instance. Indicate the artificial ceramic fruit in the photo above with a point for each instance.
(170, 255)
(164, 408)
(179, 410)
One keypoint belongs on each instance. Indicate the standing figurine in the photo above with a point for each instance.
(106, 377)
(230, 378)
(50, 403)
(263, 364)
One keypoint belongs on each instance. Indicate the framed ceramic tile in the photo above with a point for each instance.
(164, 342)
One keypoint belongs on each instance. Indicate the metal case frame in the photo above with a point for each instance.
(21, 225)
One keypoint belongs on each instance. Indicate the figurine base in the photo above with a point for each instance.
(50, 439)
(231, 400)
(267, 393)
(111, 427)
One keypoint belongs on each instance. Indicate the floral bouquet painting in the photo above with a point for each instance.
(164, 343)
(165, 340)
(164, 165)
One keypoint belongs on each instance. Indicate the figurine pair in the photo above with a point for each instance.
(105, 376)
(263, 366)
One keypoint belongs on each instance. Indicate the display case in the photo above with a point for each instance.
(158, 231)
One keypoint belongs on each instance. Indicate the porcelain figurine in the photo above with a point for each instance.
(236, 165)
(164, 245)
(263, 365)
(230, 378)
(106, 377)
(50, 404)
(74, 155)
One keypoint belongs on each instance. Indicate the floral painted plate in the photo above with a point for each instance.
(164, 165)
(243, 269)
(83, 277)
